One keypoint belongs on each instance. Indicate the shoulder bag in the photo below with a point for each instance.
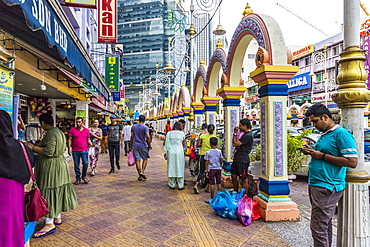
(35, 206)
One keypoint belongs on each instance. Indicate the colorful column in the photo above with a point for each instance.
(352, 98)
(231, 104)
(275, 205)
(198, 114)
(210, 105)
(186, 113)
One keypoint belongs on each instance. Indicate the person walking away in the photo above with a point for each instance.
(150, 132)
(14, 175)
(127, 136)
(243, 146)
(213, 158)
(332, 154)
(167, 128)
(205, 145)
(52, 175)
(140, 144)
(104, 140)
(115, 142)
(96, 137)
(174, 142)
(78, 145)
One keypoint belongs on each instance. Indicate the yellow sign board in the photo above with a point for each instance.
(303, 52)
(6, 90)
(81, 3)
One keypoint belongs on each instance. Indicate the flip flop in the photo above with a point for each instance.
(196, 191)
(45, 233)
(58, 223)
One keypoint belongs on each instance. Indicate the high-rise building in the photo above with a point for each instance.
(143, 33)
(204, 40)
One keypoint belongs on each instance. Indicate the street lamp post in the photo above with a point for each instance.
(320, 58)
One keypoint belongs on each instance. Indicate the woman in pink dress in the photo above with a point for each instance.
(13, 175)
(96, 136)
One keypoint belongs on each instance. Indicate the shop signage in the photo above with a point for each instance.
(251, 98)
(107, 21)
(365, 45)
(40, 15)
(320, 97)
(6, 90)
(112, 65)
(81, 3)
(122, 92)
(116, 96)
(96, 102)
(303, 52)
(298, 82)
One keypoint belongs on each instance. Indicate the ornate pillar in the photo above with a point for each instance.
(352, 97)
(275, 205)
(210, 108)
(186, 113)
(231, 104)
(198, 114)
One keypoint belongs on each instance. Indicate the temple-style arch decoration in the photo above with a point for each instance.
(216, 70)
(183, 106)
(197, 105)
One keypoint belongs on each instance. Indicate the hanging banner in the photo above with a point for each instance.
(107, 21)
(6, 90)
(116, 96)
(91, 4)
(112, 65)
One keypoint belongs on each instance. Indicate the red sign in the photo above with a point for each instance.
(123, 92)
(98, 103)
(107, 21)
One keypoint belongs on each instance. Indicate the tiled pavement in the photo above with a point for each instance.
(119, 210)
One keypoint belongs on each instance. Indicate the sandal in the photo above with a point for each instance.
(78, 181)
(139, 178)
(143, 176)
(58, 223)
(45, 233)
(196, 191)
(86, 181)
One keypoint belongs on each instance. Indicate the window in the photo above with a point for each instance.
(319, 77)
(306, 61)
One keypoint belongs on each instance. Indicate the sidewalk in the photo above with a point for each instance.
(119, 210)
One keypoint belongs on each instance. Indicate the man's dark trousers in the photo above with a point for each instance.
(114, 150)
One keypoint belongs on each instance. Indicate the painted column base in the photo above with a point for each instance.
(278, 211)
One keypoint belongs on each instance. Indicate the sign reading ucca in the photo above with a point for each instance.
(298, 82)
(107, 21)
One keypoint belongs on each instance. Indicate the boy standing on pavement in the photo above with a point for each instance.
(115, 142)
(213, 160)
(332, 154)
(104, 140)
(239, 167)
(78, 145)
(127, 136)
(140, 144)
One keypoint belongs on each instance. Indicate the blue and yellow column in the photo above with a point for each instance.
(186, 114)
(210, 106)
(275, 205)
(198, 114)
(231, 104)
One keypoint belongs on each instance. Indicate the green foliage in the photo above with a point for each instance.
(256, 153)
(296, 158)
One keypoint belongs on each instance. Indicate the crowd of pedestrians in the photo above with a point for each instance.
(333, 153)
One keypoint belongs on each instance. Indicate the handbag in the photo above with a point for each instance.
(131, 159)
(35, 206)
(192, 154)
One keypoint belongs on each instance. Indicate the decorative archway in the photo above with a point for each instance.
(197, 105)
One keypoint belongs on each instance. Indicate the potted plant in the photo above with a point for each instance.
(296, 159)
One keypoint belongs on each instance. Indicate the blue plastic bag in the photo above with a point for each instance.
(233, 202)
(219, 204)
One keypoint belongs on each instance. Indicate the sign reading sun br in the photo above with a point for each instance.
(112, 65)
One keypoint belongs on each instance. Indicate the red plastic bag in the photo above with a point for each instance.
(245, 210)
(192, 154)
(256, 211)
(131, 159)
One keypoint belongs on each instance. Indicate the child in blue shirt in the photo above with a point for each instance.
(213, 158)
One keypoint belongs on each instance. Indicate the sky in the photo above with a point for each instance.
(326, 15)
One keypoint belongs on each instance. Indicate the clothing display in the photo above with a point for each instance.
(33, 133)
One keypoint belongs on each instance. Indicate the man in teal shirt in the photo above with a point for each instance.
(332, 154)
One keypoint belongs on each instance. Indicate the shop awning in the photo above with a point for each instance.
(43, 21)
